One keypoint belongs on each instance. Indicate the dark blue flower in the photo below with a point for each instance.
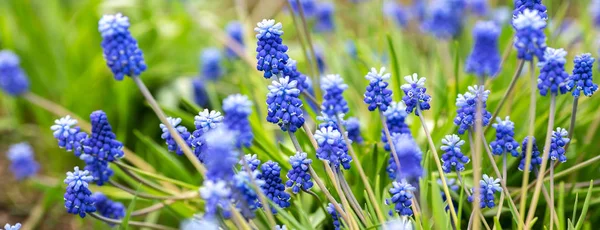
(298, 177)
(78, 197)
(395, 117)
(505, 138)
(536, 158)
(553, 77)
(333, 87)
(217, 195)
(378, 96)
(557, 145)
(13, 79)
(401, 193)
(210, 62)
(484, 59)
(205, 121)
(445, 18)
(522, 5)
(107, 207)
(332, 147)
(183, 132)
(453, 158)
(70, 138)
(237, 109)
(102, 143)
(271, 53)
(337, 222)
(235, 31)
(283, 105)
(200, 94)
(98, 169)
(17, 226)
(409, 155)
(220, 156)
(252, 162)
(273, 188)
(22, 162)
(396, 12)
(581, 80)
(478, 7)
(415, 94)
(245, 195)
(489, 187)
(530, 39)
(121, 51)
(467, 108)
(324, 17)
(353, 129)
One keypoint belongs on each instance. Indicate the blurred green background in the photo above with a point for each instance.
(59, 47)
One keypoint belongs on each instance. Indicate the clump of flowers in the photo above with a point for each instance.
(505, 138)
(78, 197)
(273, 186)
(22, 162)
(333, 87)
(183, 132)
(395, 118)
(523, 5)
(581, 80)
(324, 17)
(121, 51)
(271, 52)
(237, 108)
(332, 147)
(530, 39)
(217, 196)
(453, 158)
(415, 94)
(553, 76)
(353, 129)
(467, 108)
(221, 155)
(252, 161)
(484, 59)
(205, 121)
(246, 197)
(536, 158)
(445, 18)
(284, 106)
(409, 155)
(211, 63)
(378, 96)
(235, 31)
(107, 207)
(337, 222)
(557, 145)
(70, 138)
(299, 177)
(489, 187)
(401, 198)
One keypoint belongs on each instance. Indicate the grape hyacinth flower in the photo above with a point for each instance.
(13, 80)
(210, 62)
(252, 162)
(453, 158)
(182, 130)
(102, 143)
(581, 80)
(205, 121)
(332, 147)
(557, 145)
(523, 5)
(237, 109)
(78, 197)
(220, 155)
(121, 51)
(196, 223)
(337, 222)
(199, 90)
(17, 226)
(298, 177)
(378, 96)
(594, 9)
(273, 188)
(445, 18)
(235, 31)
(70, 138)
(353, 129)
(330, 121)
(489, 186)
(247, 198)
(98, 169)
(505, 138)
(530, 39)
(324, 18)
(401, 198)
(292, 72)
(284, 106)
(22, 162)
(553, 76)
(320, 56)
(396, 12)
(271, 53)
(333, 87)
(467, 108)
(217, 196)
(395, 117)
(536, 158)
(415, 94)
(484, 59)
(401, 224)
(478, 7)
(107, 207)
(410, 157)
(308, 6)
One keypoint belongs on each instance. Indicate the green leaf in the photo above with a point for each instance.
(497, 223)
(586, 205)
(125, 221)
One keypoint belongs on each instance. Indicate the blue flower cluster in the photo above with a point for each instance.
(284, 106)
(100, 148)
(479, 7)
(409, 155)
(309, 7)
(401, 198)
(415, 94)
(235, 31)
(536, 158)
(594, 9)
(324, 17)
(217, 196)
(353, 130)
(205, 121)
(581, 80)
(220, 155)
(107, 207)
(505, 138)
(467, 108)
(333, 87)
(378, 96)
(489, 187)
(530, 39)
(445, 18)
(553, 76)
(332, 147)
(252, 161)
(78, 197)
(199, 90)
(395, 117)
(292, 72)
(396, 12)
(453, 158)
(70, 138)
(484, 59)
(237, 109)
(121, 51)
(557, 145)
(247, 198)
(273, 188)
(183, 133)
(271, 53)
(13, 79)
(330, 121)
(22, 162)
(211, 63)
(522, 5)
(299, 177)
(337, 222)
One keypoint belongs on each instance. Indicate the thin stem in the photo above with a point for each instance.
(158, 177)
(529, 148)
(462, 184)
(539, 182)
(261, 195)
(299, 27)
(318, 200)
(132, 223)
(552, 211)
(152, 208)
(183, 196)
(311, 98)
(572, 125)
(361, 172)
(511, 86)
(477, 156)
(553, 215)
(310, 45)
(55, 108)
(507, 50)
(144, 181)
(439, 166)
(501, 203)
(386, 130)
(343, 198)
(353, 202)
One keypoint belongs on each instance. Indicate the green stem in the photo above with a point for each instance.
(183, 196)
(132, 223)
(351, 197)
(386, 130)
(552, 211)
(144, 181)
(511, 86)
(530, 134)
(572, 124)
(152, 208)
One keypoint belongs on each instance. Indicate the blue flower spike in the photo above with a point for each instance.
(395, 118)
(332, 147)
(22, 161)
(377, 95)
(237, 109)
(553, 77)
(245, 194)
(17, 226)
(333, 87)
(183, 132)
(13, 80)
(252, 161)
(522, 5)
(337, 221)
(107, 207)
(530, 39)
(235, 31)
(273, 188)
(505, 138)
(466, 111)
(581, 80)
(210, 62)
(409, 155)
(536, 158)
(271, 52)
(557, 145)
(78, 197)
(121, 51)
(415, 94)
(453, 158)
(221, 154)
(217, 196)
(489, 187)
(484, 60)
(401, 198)
(68, 135)
(283, 105)
(299, 177)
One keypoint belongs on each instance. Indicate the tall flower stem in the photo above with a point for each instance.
(152, 208)
(502, 194)
(361, 171)
(336, 184)
(540, 179)
(131, 223)
(439, 166)
(572, 124)
(553, 215)
(163, 118)
(143, 181)
(529, 148)
(463, 185)
(477, 155)
(510, 88)
(299, 29)
(311, 47)
(348, 192)
(261, 195)
(183, 196)
(552, 196)
(386, 130)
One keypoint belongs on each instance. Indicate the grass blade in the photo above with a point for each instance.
(125, 223)
(586, 205)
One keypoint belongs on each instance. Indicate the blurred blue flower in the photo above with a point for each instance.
(246, 197)
(594, 9)
(553, 77)
(273, 188)
(252, 162)
(292, 72)
(489, 186)
(330, 121)
(107, 207)
(102, 143)
(217, 195)
(324, 17)
(199, 90)
(445, 18)
(283, 105)
(501, 15)
(332, 147)
(397, 13)
(409, 155)
(337, 222)
(333, 87)
(70, 138)
(220, 156)
(536, 158)
(399, 224)
(205, 121)
(98, 169)
(467, 108)
(78, 199)
(320, 56)
(581, 80)
(530, 39)
(22, 161)
(299, 177)
(453, 158)
(353, 129)
(309, 7)
(121, 51)
(401, 198)
(377, 95)
(350, 48)
(17, 226)
(484, 59)
(282, 227)
(210, 62)
(478, 7)
(395, 118)
(235, 31)
(196, 223)
(271, 53)
(13, 79)
(557, 145)
(505, 138)
(415, 94)
(237, 109)
(522, 5)
(183, 132)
